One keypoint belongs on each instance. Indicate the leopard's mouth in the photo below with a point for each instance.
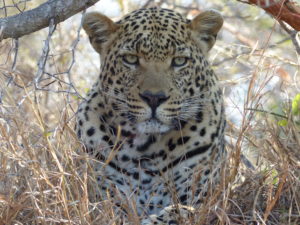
(152, 126)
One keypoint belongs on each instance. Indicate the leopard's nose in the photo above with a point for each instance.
(154, 99)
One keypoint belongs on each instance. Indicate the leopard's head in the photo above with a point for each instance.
(154, 70)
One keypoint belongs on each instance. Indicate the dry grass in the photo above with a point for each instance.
(44, 175)
(46, 178)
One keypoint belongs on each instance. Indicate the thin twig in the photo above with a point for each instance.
(16, 5)
(264, 111)
(13, 67)
(16, 50)
(73, 50)
(5, 8)
(44, 56)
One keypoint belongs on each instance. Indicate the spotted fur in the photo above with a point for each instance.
(154, 119)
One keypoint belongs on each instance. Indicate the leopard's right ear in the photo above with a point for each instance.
(99, 28)
(205, 28)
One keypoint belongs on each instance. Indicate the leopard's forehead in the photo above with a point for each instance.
(154, 15)
(155, 31)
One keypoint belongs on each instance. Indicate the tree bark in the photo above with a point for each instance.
(282, 10)
(33, 20)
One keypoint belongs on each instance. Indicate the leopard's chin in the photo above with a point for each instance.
(152, 126)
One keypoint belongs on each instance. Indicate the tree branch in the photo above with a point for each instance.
(282, 10)
(33, 20)
(293, 34)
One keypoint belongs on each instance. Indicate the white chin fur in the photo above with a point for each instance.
(151, 127)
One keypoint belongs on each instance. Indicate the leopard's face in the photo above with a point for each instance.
(155, 80)
(154, 69)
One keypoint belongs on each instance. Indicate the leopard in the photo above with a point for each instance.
(154, 119)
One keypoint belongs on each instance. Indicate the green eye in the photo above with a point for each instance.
(179, 61)
(131, 59)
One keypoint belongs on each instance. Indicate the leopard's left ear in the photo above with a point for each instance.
(205, 28)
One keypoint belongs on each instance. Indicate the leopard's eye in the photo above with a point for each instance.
(179, 61)
(131, 59)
